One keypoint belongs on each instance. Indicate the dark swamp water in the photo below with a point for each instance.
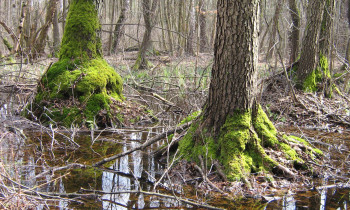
(32, 162)
(32, 157)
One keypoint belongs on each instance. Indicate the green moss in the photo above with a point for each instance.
(190, 117)
(317, 76)
(142, 63)
(193, 146)
(237, 148)
(7, 44)
(265, 129)
(80, 39)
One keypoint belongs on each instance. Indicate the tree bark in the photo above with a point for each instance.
(233, 83)
(309, 52)
(120, 27)
(295, 33)
(327, 29)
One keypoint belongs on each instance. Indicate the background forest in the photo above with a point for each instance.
(178, 27)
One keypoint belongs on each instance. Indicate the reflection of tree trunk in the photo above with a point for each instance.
(203, 27)
(148, 14)
(275, 28)
(309, 52)
(120, 27)
(295, 34)
(191, 27)
(41, 41)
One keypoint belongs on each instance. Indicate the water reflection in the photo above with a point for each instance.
(288, 202)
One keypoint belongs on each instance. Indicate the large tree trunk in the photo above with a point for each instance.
(309, 54)
(295, 33)
(233, 83)
(120, 27)
(233, 128)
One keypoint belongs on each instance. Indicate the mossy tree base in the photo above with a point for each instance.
(317, 80)
(81, 89)
(248, 143)
(73, 93)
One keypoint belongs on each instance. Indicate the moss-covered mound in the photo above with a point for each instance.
(248, 143)
(81, 88)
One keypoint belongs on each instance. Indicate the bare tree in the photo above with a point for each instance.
(148, 15)
(120, 27)
(40, 42)
(191, 29)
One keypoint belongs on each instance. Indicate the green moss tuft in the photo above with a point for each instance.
(265, 129)
(190, 117)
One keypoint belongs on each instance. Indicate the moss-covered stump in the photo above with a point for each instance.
(248, 143)
(81, 89)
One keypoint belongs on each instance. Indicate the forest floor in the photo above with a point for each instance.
(178, 86)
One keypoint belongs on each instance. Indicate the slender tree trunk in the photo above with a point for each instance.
(148, 14)
(203, 27)
(274, 29)
(309, 52)
(168, 26)
(110, 40)
(17, 44)
(327, 28)
(295, 33)
(190, 37)
(56, 33)
(41, 41)
(64, 14)
(120, 27)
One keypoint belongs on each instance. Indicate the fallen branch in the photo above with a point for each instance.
(339, 186)
(144, 145)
